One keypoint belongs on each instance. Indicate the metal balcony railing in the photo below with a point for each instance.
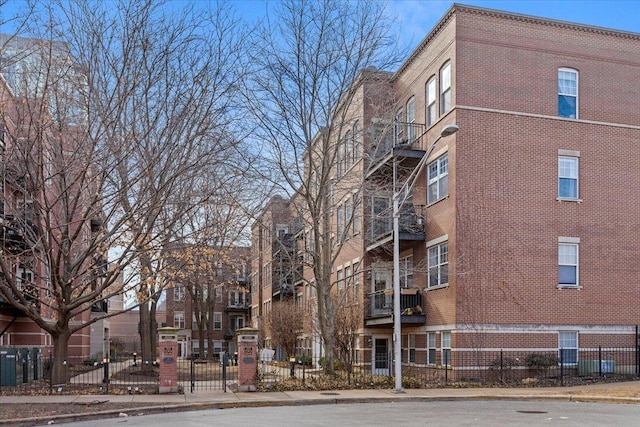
(380, 303)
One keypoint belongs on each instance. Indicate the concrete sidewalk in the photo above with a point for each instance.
(625, 392)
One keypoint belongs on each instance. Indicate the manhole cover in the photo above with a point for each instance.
(331, 394)
(532, 412)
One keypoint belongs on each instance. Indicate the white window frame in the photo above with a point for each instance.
(567, 89)
(568, 346)
(438, 259)
(348, 150)
(569, 169)
(411, 119)
(217, 321)
(179, 320)
(399, 127)
(445, 88)
(406, 271)
(178, 292)
(569, 257)
(437, 173)
(356, 141)
(430, 95)
(432, 348)
(411, 348)
(445, 348)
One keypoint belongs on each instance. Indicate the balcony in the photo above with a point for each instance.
(100, 307)
(17, 233)
(379, 308)
(380, 235)
(243, 306)
(404, 149)
(282, 289)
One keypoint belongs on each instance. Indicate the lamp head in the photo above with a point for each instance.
(449, 130)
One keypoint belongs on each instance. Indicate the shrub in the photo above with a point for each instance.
(541, 361)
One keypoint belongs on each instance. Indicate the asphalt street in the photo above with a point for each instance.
(451, 413)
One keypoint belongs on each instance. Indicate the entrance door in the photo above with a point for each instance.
(182, 349)
(381, 356)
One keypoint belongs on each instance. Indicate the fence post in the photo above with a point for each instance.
(561, 367)
(50, 373)
(191, 373)
(501, 365)
(105, 380)
(637, 354)
(446, 368)
(600, 360)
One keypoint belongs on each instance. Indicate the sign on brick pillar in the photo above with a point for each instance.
(168, 351)
(247, 358)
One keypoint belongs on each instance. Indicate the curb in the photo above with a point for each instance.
(159, 409)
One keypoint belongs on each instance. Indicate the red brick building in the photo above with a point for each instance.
(215, 292)
(521, 232)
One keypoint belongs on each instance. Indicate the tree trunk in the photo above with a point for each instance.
(146, 350)
(60, 357)
(153, 329)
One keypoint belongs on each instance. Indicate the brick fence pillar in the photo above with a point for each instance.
(247, 358)
(168, 351)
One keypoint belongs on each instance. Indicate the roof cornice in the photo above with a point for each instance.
(461, 8)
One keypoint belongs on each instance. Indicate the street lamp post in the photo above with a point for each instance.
(399, 197)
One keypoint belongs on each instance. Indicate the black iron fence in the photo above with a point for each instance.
(33, 375)
(457, 368)
(20, 374)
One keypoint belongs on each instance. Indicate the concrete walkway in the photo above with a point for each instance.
(626, 392)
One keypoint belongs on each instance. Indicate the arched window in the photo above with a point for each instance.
(431, 101)
(445, 88)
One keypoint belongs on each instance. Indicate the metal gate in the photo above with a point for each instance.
(201, 374)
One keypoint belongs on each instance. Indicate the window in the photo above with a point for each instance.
(347, 277)
(348, 150)
(412, 347)
(568, 347)
(446, 348)
(445, 88)
(439, 265)
(431, 101)
(568, 177)
(340, 280)
(431, 348)
(178, 319)
(406, 272)
(438, 176)
(217, 321)
(178, 292)
(340, 221)
(399, 128)
(356, 281)
(356, 217)
(567, 264)
(348, 216)
(568, 93)
(356, 141)
(411, 119)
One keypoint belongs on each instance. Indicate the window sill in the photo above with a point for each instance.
(569, 287)
(437, 201)
(563, 199)
(431, 288)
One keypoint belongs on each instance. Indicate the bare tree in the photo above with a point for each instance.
(309, 69)
(120, 120)
(285, 320)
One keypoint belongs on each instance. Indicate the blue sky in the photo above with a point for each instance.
(417, 17)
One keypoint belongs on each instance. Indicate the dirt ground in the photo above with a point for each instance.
(31, 410)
